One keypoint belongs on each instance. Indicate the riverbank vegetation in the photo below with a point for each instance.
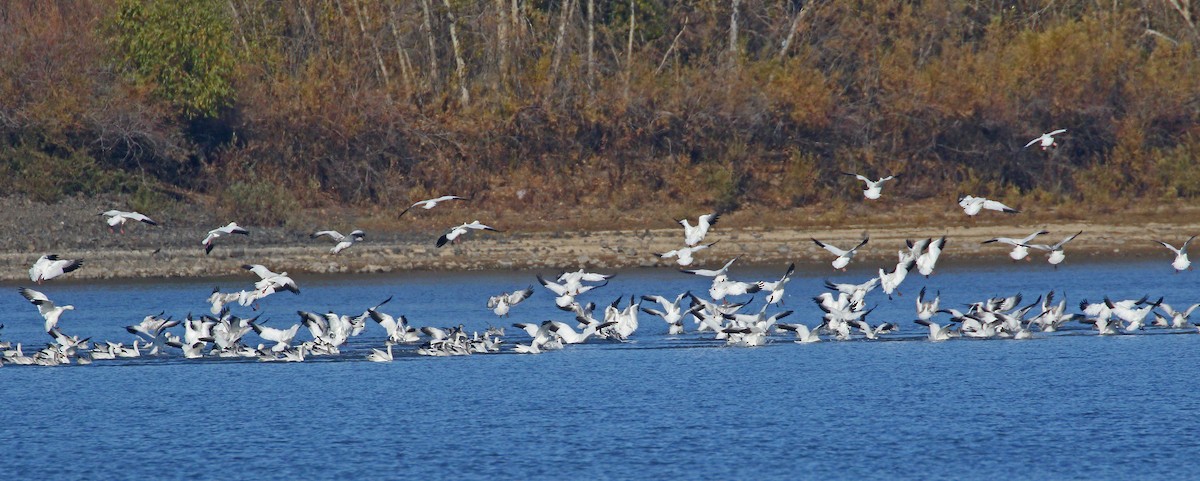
(560, 106)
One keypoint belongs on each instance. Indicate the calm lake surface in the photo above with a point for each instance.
(1067, 405)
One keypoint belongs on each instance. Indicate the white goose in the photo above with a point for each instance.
(1046, 140)
(683, 255)
(937, 332)
(1181, 262)
(1055, 252)
(454, 233)
(430, 203)
(50, 312)
(270, 282)
(890, 281)
(803, 334)
(776, 288)
(228, 229)
(927, 261)
(873, 187)
(1178, 319)
(927, 309)
(501, 304)
(694, 235)
(50, 266)
(118, 218)
(341, 242)
(378, 355)
(281, 337)
(973, 205)
(843, 256)
(672, 313)
(1020, 246)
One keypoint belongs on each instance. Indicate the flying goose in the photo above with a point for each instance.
(118, 218)
(926, 309)
(1181, 262)
(454, 232)
(928, 260)
(873, 187)
(228, 229)
(281, 337)
(973, 205)
(50, 266)
(49, 311)
(671, 313)
(430, 203)
(1178, 319)
(693, 235)
(341, 242)
(683, 255)
(1056, 254)
(843, 256)
(1020, 249)
(1046, 140)
(501, 304)
(776, 288)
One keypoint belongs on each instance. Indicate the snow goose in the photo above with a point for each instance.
(379, 355)
(711, 272)
(430, 203)
(1020, 246)
(890, 281)
(281, 337)
(926, 309)
(118, 218)
(927, 261)
(50, 312)
(152, 329)
(937, 332)
(1055, 252)
(723, 287)
(565, 295)
(50, 266)
(973, 205)
(683, 255)
(1181, 262)
(229, 229)
(453, 234)
(857, 292)
(1046, 140)
(501, 304)
(776, 288)
(398, 330)
(803, 334)
(873, 187)
(843, 256)
(270, 281)
(1178, 319)
(569, 336)
(693, 235)
(341, 242)
(671, 313)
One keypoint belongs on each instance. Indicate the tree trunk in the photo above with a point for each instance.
(629, 49)
(787, 42)
(433, 66)
(401, 54)
(563, 18)
(362, 29)
(502, 37)
(591, 43)
(733, 28)
(460, 67)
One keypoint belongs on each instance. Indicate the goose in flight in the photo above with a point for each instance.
(693, 235)
(1020, 246)
(927, 261)
(270, 282)
(50, 266)
(454, 232)
(1046, 140)
(1056, 254)
(430, 203)
(118, 218)
(671, 313)
(927, 309)
(341, 242)
(501, 304)
(776, 288)
(46, 307)
(228, 229)
(873, 187)
(281, 337)
(710, 272)
(890, 281)
(973, 205)
(843, 256)
(1178, 319)
(1181, 262)
(683, 255)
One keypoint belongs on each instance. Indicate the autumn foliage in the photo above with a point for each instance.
(573, 104)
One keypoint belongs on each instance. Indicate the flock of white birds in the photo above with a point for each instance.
(719, 314)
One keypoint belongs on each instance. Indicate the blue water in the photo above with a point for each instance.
(1069, 405)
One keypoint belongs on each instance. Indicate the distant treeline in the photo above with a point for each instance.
(631, 103)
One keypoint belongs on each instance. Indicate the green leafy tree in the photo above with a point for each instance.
(180, 49)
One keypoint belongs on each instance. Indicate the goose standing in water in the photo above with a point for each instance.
(378, 355)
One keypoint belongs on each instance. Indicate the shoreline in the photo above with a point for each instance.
(593, 250)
